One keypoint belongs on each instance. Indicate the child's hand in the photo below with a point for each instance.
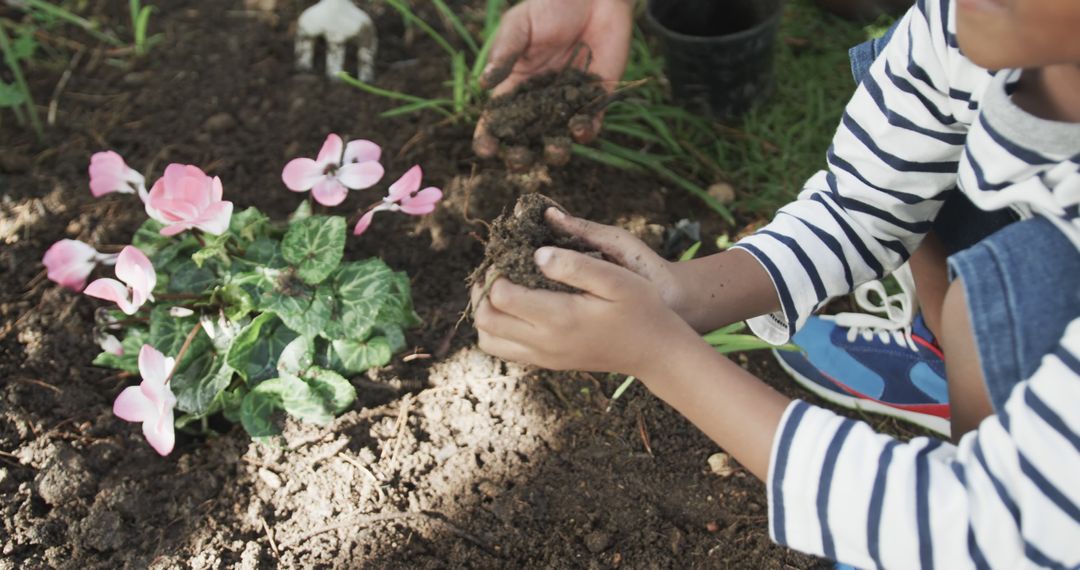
(618, 324)
(623, 248)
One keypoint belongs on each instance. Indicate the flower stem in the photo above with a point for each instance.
(184, 349)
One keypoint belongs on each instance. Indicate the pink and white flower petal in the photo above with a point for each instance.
(301, 174)
(69, 262)
(109, 173)
(215, 218)
(112, 290)
(154, 367)
(406, 185)
(361, 150)
(135, 269)
(132, 405)
(423, 202)
(331, 150)
(160, 434)
(365, 221)
(360, 175)
(329, 192)
(111, 344)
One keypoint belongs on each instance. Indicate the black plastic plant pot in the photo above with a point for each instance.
(719, 53)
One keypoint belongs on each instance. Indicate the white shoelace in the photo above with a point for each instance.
(898, 310)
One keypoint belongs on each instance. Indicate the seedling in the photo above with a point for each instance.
(234, 314)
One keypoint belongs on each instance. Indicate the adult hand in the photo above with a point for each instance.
(618, 323)
(542, 35)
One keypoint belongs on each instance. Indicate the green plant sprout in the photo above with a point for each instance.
(16, 95)
(43, 8)
(464, 82)
(140, 20)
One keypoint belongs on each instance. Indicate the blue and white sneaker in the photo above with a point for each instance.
(888, 365)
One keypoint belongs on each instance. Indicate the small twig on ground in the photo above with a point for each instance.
(54, 101)
(270, 537)
(39, 383)
(402, 420)
(643, 431)
(374, 480)
(415, 356)
(33, 283)
(11, 325)
(334, 449)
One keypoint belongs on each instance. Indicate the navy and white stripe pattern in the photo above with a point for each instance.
(1008, 496)
(925, 122)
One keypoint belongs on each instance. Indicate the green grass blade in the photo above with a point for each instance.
(456, 23)
(492, 15)
(20, 82)
(72, 18)
(606, 158)
(460, 71)
(419, 102)
(629, 129)
(690, 252)
(411, 17)
(620, 391)
(433, 104)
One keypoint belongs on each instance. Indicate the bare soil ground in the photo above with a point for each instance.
(450, 458)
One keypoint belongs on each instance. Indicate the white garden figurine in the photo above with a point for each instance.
(338, 21)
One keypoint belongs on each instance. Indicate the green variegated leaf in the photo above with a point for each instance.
(361, 289)
(336, 392)
(213, 248)
(167, 334)
(255, 352)
(302, 401)
(357, 356)
(199, 384)
(397, 309)
(248, 225)
(258, 410)
(301, 212)
(190, 278)
(315, 246)
(395, 337)
(304, 309)
(266, 252)
(298, 356)
(236, 301)
(160, 249)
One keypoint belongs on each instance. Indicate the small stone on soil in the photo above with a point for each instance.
(720, 464)
(597, 541)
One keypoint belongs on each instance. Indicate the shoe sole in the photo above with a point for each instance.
(933, 423)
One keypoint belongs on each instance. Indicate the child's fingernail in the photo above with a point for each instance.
(556, 213)
(543, 255)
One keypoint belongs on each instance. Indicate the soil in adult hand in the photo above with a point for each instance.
(515, 237)
(535, 119)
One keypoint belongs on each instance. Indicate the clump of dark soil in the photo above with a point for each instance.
(535, 119)
(513, 239)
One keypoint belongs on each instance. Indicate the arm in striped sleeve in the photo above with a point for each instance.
(1008, 496)
(892, 162)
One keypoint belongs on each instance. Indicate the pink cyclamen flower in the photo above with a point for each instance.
(109, 173)
(185, 197)
(404, 196)
(335, 171)
(69, 262)
(110, 344)
(152, 401)
(139, 279)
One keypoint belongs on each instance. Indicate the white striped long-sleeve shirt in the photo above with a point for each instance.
(925, 122)
(1008, 496)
